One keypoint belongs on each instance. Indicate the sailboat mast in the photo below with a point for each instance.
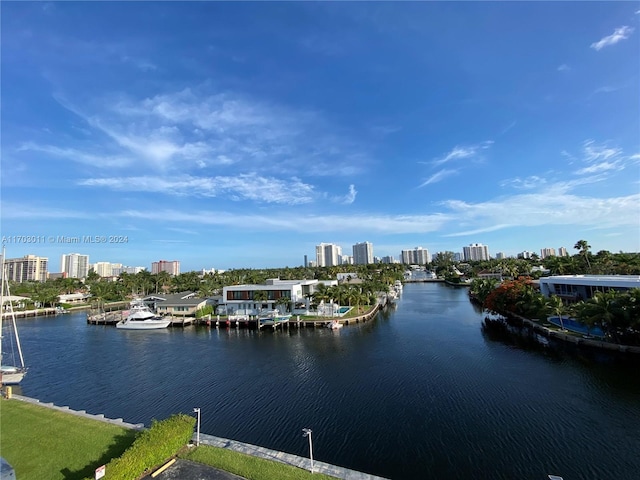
(5, 281)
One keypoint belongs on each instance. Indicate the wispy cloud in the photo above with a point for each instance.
(242, 187)
(564, 68)
(527, 183)
(438, 176)
(350, 197)
(619, 34)
(198, 127)
(459, 152)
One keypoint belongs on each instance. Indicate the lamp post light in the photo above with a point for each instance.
(197, 410)
(306, 432)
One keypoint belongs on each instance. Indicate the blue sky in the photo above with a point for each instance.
(242, 134)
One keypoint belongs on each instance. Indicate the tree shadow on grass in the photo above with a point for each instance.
(120, 444)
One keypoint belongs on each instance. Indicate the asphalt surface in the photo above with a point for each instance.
(188, 470)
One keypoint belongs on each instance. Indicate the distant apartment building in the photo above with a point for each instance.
(417, 256)
(125, 269)
(562, 252)
(29, 268)
(363, 253)
(476, 251)
(500, 256)
(526, 254)
(105, 269)
(346, 259)
(388, 259)
(547, 252)
(328, 255)
(75, 265)
(171, 267)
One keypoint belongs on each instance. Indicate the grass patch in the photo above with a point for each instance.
(252, 468)
(40, 442)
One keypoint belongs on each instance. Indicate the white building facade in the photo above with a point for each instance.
(29, 268)
(582, 287)
(363, 253)
(475, 251)
(328, 255)
(75, 265)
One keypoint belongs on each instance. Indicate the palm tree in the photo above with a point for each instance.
(557, 307)
(583, 248)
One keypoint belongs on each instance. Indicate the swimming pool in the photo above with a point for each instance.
(575, 326)
(343, 310)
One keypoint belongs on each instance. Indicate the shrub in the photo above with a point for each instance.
(152, 447)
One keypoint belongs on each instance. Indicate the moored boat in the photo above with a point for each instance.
(140, 317)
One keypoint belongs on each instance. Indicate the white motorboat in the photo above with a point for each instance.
(335, 325)
(11, 374)
(272, 318)
(140, 317)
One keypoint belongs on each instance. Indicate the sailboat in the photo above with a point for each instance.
(10, 374)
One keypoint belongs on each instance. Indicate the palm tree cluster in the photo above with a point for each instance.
(617, 313)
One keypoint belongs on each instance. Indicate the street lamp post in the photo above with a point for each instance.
(306, 432)
(197, 410)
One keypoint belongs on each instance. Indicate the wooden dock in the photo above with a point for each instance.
(40, 312)
(245, 321)
(111, 318)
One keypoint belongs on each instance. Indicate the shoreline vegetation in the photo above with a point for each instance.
(517, 302)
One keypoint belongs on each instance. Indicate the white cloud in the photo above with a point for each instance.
(564, 68)
(527, 183)
(350, 197)
(198, 127)
(463, 152)
(620, 33)
(438, 176)
(99, 161)
(237, 188)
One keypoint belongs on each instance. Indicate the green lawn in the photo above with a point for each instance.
(41, 443)
(252, 468)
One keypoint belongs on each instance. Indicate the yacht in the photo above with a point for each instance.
(140, 317)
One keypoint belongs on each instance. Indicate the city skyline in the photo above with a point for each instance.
(238, 135)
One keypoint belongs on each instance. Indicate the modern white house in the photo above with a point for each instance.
(177, 304)
(293, 296)
(574, 288)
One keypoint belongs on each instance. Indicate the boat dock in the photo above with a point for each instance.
(40, 312)
(111, 318)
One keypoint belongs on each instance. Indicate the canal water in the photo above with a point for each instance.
(420, 392)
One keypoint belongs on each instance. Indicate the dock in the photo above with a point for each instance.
(40, 312)
(111, 318)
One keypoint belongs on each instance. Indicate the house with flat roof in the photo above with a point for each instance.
(574, 288)
(292, 296)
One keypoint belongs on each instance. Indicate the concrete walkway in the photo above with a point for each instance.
(287, 458)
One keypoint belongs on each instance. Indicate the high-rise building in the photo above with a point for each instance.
(328, 255)
(417, 256)
(125, 269)
(363, 253)
(170, 266)
(562, 252)
(500, 256)
(526, 254)
(75, 265)
(105, 269)
(29, 268)
(476, 251)
(547, 252)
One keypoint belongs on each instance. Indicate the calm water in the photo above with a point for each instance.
(420, 392)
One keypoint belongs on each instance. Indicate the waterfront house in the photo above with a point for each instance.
(292, 296)
(574, 288)
(184, 304)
